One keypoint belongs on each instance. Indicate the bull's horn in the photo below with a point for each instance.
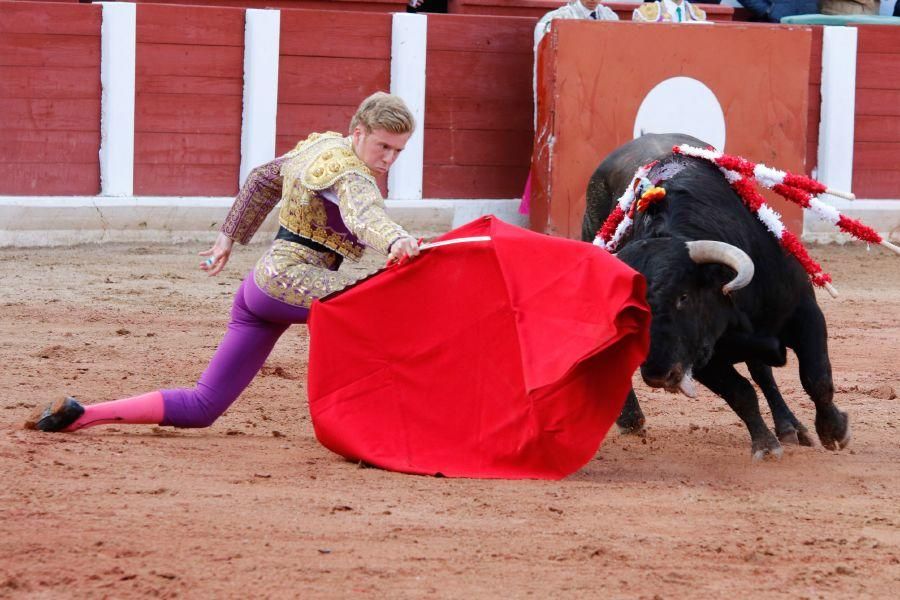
(709, 251)
(686, 385)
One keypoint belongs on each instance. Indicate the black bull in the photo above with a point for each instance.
(697, 327)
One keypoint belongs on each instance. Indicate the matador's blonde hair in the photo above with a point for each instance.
(383, 111)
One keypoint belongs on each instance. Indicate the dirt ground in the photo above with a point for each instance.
(255, 507)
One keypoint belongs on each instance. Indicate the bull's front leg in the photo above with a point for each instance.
(788, 427)
(631, 419)
(722, 378)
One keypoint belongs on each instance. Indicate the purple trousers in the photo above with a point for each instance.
(257, 321)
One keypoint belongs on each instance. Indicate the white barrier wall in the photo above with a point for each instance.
(408, 49)
(261, 38)
(117, 58)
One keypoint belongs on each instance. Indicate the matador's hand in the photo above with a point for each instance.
(403, 248)
(217, 256)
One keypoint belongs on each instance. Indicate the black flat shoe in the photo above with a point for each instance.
(57, 416)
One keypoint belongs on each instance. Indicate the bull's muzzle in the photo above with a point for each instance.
(675, 380)
(668, 379)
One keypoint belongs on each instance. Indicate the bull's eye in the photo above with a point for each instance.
(682, 301)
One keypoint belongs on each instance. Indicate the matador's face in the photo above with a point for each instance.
(378, 148)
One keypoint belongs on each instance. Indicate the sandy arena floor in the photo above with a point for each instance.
(255, 507)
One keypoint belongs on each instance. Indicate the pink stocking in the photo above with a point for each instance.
(146, 408)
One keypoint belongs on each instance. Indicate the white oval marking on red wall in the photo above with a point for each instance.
(682, 105)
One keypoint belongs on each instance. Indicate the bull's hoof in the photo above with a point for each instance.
(792, 436)
(767, 447)
(789, 437)
(833, 429)
(631, 426)
(804, 437)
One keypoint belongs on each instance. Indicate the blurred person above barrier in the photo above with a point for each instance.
(575, 9)
(773, 10)
(426, 6)
(849, 7)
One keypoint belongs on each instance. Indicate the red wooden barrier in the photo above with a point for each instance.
(385, 6)
(876, 148)
(478, 106)
(588, 106)
(189, 83)
(49, 99)
(329, 61)
(188, 100)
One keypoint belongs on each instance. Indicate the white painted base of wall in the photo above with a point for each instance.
(881, 215)
(28, 221)
(60, 221)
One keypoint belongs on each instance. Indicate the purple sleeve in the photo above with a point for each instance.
(256, 198)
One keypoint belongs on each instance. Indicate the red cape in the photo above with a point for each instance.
(507, 358)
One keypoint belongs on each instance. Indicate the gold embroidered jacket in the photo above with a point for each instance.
(328, 196)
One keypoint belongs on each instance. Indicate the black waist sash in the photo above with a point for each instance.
(290, 236)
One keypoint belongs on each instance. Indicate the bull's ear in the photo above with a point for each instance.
(715, 275)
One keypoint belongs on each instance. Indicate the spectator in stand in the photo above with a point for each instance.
(668, 11)
(850, 7)
(575, 9)
(426, 6)
(773, 10)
